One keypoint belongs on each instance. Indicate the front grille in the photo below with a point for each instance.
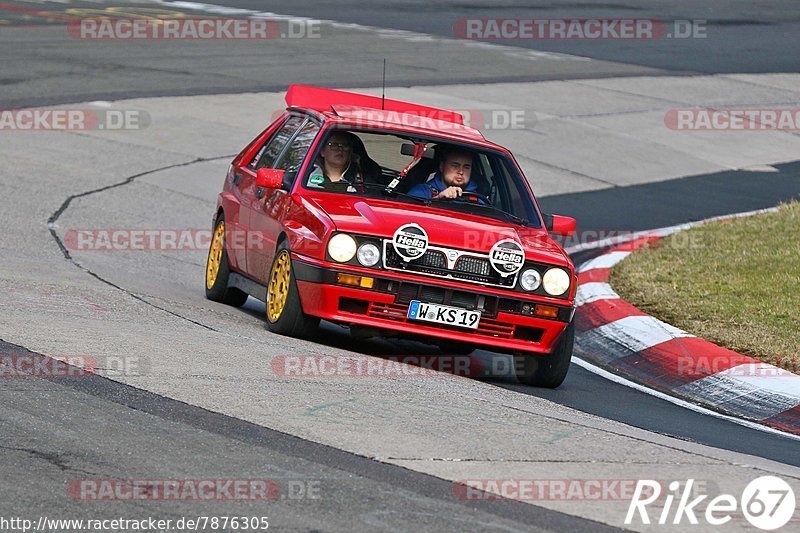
(464, 299)
(431, 262)
(466, 267)
(432, 259)
(474, 265)
(407, 291)
(509, 306)
(487, 326)
(430, 294)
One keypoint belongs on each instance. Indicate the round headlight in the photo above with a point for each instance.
(342, 247)
(556, 281)
(368, 254)
(530, 279)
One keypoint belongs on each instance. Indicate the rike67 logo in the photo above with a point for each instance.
(768, 503)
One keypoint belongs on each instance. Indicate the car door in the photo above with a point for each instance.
(266, 222)
(266, 157)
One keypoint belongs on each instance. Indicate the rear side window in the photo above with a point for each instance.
(268, 153)
(294, 155)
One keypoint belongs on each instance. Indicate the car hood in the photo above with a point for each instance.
(466, 231)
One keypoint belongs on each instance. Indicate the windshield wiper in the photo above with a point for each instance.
(514, 218)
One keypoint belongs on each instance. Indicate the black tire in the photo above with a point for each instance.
(291, 321)
(549, 370)
(219, 290)
(456, 347)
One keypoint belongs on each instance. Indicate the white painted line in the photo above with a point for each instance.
(639, 333)
(591, 292)
(740, 397)
(760, 168)
(767, 377)
(604, 261)
(677, 401)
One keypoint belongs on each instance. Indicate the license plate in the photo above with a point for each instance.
(444, 314)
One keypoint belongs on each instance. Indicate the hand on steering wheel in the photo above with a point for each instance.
(477, 196)
(457, 193)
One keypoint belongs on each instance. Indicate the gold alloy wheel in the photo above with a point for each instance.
(278, 288)
(215, 255)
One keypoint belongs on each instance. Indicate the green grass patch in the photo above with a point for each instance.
(734, 282)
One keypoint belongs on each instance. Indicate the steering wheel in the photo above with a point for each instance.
(469, 194)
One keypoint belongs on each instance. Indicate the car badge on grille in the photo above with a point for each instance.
(452, 255)
(507, 257)
(410, 241)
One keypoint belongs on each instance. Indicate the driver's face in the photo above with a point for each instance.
(456, 170)
(337, 150)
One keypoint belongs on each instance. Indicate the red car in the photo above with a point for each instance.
(392, 218)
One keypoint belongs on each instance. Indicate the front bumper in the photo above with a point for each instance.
(503, 325)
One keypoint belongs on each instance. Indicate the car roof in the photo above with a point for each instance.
(354, 109)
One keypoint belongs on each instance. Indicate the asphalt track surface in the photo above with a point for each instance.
(741, 36)
(42, 65)
(149, 424)
(173, 439)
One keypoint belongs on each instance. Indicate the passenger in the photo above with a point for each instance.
(336, 165)
(453, 178)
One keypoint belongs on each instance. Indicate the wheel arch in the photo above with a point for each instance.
(282, 237)
(215, 219)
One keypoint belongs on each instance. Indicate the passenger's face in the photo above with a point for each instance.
(456, 170)
(337, 150)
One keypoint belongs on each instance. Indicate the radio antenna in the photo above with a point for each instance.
(383, 87)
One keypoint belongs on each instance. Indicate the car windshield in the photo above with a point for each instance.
(387, 165)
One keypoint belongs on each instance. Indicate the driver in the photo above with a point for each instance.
(453, 178)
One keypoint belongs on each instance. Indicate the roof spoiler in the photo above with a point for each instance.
(323, 100)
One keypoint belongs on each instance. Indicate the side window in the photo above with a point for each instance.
(293, 157)
(274, 146)
(515, 193)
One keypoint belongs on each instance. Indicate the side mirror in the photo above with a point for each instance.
(269, 178)
(560, 225)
